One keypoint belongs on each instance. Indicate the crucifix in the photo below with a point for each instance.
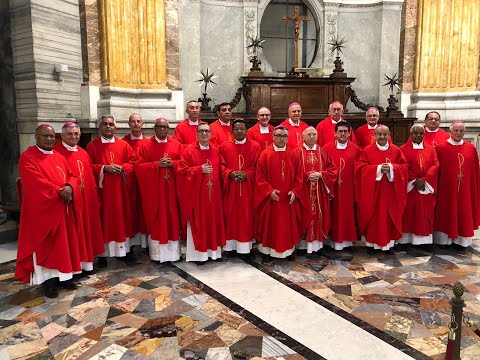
(296, 19)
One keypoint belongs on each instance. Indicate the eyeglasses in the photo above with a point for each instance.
(343, 131)
(161, 127)
(281, 136)
(203, 131)
(47, 136)
(264, 115)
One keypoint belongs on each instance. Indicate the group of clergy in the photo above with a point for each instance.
(222, 187)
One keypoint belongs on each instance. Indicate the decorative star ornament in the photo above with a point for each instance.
(207, 78)
(255, 43)
(337, 45)
(392, 82)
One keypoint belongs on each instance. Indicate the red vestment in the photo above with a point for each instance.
(381, 203)
(116, 206)
(48, 225)
(279, 225)
(295, 133)
(365, 136)
(326, 132)
(435, 138)
(158, 189)
(457, 212)
(318, 160)
(238, 196)
(344, 226)
(201, 197)
(139, 225)
(185, 133)
(220, 133)
(87, 203)
(264, 140)
(422, 164)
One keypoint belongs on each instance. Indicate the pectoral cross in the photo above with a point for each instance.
(209, 182)
(166, 176)
(461, 161)
(296, 19)
(312, 159)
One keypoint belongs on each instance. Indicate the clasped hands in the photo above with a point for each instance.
(238, 176)
(275, 196)
(114, 169)
(165, 162)
(385, 168)
(419, 184)
(314, 176)
(207, 168)
(66, 193)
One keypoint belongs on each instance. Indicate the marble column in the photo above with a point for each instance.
(446, 67)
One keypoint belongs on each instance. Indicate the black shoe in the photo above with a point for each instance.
(290, 258)
(246, 257)
(350, 249)
(102, 262)
(402, 247)
(458, 247)
(231, 254)
(370, 250)
(444, 247)
(130, 259)
(267, 259)
(311, 256)
(390, 252)
(50, 288)
(68, 285)
(200, 263)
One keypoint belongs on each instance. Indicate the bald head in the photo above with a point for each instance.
(161, 128)
(382, 132)
(45, 137)
(310, 136)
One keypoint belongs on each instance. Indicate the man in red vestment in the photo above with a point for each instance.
(381, 192)
(295, 125)
(222, 129)
(433, 134)
(457, 212)
(201, 206)
(186, 131)
(326, 128)
(87, 203)
(47, 241)
(421, 190)
(136, 139)
(280, 203)
(262, 131)
(113, 160)
(240, 157)
(156, 173)
(364, 135)
(344, 154)
(319, 176)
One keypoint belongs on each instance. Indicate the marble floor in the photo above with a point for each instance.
(347, 306)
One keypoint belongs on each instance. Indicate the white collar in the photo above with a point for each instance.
(46, 152)
(133, 137)
(160, 141)
(202, 147)
(335, 122)
(70, 148)
(341, 146)
(382, 148)
(313, 148)
(190, 122)
(223, 124)
(417, 146)
(455, 143)
(264, 130)
(292, 123)
(279, 149)
(431, 131)
(372, 127)
(107, 141)
(241, 141)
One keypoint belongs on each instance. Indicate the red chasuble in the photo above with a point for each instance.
(320, 213)
(87, 203)
(139, 225)
(380, 203)
(365, 136)
(238, 197)
(48, 225)
(280, 225)
(457, 212)
(116, 207)
(264, 140)
(435, 138)
(220, 133)
(294, 133)
(201, 197)
(326, 132)
(158, 189)
(344, 226)
(185, 133)
(422, 164)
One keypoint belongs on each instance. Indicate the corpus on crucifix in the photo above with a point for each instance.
(297, 20)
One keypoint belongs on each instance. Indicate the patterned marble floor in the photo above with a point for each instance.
(145, 312)
(405, 295)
